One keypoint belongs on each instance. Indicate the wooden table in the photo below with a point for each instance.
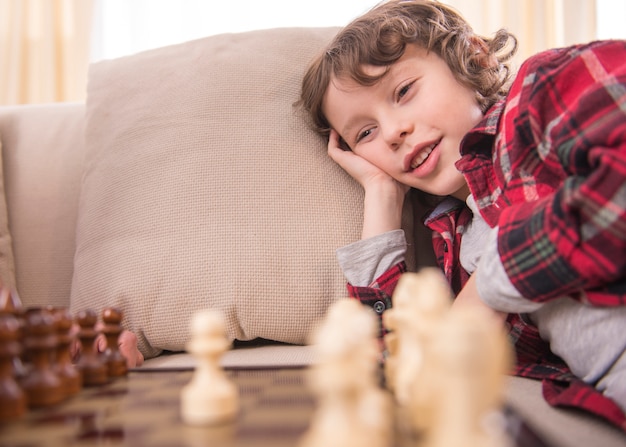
(143, 409)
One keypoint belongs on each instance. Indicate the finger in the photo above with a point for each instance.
(101, 343)
(139, 358)
(133, 356)
(74, 330)
(128, 352)
(334, 141)
(129, 355)
(335, 151)
(128, 348)
(75, 350)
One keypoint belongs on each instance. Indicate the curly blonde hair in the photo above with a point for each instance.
(379, 38)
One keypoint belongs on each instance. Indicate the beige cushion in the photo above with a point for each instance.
(7, 267)
(204, 189)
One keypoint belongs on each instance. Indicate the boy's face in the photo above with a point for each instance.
(409, 124)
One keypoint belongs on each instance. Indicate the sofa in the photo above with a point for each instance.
(187, 180)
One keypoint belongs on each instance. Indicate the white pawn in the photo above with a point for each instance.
(210, 397)
(352, 410)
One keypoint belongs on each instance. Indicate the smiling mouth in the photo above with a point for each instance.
(422, 156)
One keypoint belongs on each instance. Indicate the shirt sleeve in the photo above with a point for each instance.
(569, 239)
(373, 267)
(474, 238)
(494, 287)
(362, 262)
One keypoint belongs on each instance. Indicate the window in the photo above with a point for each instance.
(124, 27)
(610, 18)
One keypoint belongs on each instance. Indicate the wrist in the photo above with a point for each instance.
(382, 208)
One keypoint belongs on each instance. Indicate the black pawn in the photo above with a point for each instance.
(10, 303)
(65, 369)
(91, 362)
(12, 398)
(116, 363)
(42, 386)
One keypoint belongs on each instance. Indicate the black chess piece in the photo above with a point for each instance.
(10, 303)
(116, 363)
(69, 374)
(12, 397)
(42, 385)
(91, 363)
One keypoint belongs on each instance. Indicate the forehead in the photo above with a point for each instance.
(410, 53)
(413, 56)
(347, 103)
(345, 95)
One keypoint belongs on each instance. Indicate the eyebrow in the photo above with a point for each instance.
(347, 129)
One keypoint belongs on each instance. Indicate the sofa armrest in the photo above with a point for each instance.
(43, 158)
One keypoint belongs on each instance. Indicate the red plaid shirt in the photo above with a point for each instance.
(548, 167)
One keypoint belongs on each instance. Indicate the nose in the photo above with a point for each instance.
(396, 132)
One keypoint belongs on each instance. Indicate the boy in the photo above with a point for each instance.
(531, 181)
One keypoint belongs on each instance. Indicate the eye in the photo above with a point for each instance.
(404, 89)
(366, 133)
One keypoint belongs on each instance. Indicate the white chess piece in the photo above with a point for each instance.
(421, 300)
(471, 355)
(390, 340)
(352, 410)
(210, 397)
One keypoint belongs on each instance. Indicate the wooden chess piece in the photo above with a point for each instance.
(421, 300)
(390, 353)
(11, 303)
(352, 410)
(41, 385)
(210, 397)
(91, 363)
(69, 374)
(471, 355)
(116, 363)
(12, 398)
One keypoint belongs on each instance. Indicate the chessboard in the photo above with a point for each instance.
(349, 396)
(143, 409)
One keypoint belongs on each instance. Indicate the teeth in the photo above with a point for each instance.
(422, 156)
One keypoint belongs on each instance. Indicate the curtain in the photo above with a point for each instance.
(44, 50)
(45, 44)
(537, 24)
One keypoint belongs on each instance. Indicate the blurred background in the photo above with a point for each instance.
(46, 46)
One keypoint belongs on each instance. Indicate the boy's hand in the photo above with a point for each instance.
(128, 348)
(468, 296)
(384, 196)
(127, 344)
(359, 168)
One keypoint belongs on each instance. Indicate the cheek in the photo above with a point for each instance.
(366, 154)
(458, 102)
(373, 154)
(468, 103)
